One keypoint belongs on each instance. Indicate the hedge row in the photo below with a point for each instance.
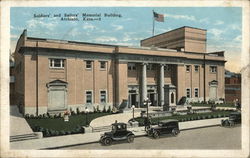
(49, 132)
(59, 115)
(189, 117)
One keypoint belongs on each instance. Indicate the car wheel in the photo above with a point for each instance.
(107, 141)
(231, 124)
(130, 138)
(156, 135)
(175, 132)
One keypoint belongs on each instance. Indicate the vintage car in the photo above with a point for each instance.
(119, 132)
(234, 118)
(164, 127)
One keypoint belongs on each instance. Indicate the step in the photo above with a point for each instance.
(23, 137)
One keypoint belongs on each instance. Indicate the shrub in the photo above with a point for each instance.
(109, 109)
(27, 116)
(62, 132)
(219, 115)
(94, 109)
(73, 113)
(46, 133)
(97, 108)
(198, 117)
(44, 116)
(32, 116)
(77, 111)
(68, 132)
(104, 109)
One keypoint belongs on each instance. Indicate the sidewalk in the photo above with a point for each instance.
(18, 125)
(80, 139)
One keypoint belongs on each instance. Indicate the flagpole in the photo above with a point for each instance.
(153, 32)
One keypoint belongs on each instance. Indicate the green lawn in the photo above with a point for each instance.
(209, 105)
(59, 124)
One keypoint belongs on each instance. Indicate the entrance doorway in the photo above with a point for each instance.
(152, 99)
(133, 99)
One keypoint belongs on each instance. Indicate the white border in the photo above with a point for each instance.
(4, 78)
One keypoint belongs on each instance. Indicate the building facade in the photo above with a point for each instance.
(232, 87)
(54, 75)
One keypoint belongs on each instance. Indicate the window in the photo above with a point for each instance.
(188, 68)
(102, 65)
(88, 64)
(188, 91)
(150, 67)
(57, 63)
(213, 69)
(167, 68)
(131, 66)
(196, 68)
(88, 96)
(103, 96)
(196, 92)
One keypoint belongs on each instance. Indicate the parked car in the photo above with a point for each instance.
(119, 132)
(164, 127)
(234, 118)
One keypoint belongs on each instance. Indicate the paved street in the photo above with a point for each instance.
(203, 138)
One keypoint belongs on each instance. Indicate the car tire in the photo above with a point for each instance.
(231, 124)
(175, 132)
(130, 138)
(107, 141)
(156, 135)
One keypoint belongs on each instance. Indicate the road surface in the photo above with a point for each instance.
(203, 138)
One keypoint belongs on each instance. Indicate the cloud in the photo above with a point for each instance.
(238, 38)
(218, 22)
(106, 39)
(117, 27)
(88, 26)
(184, 17)
(216, 33)
(204, 20)
(35, 23)
(235, 27)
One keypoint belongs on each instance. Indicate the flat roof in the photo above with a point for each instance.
(174, 30)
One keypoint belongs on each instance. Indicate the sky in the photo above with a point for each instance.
(223, 25)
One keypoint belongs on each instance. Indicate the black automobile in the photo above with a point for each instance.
(234, 118)
(119, 132)
(164, 127)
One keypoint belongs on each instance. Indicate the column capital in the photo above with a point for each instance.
(144, 63)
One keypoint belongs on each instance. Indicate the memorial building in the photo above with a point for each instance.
(56, 75)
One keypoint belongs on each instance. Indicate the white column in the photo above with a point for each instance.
(161, 85)
(144, 82)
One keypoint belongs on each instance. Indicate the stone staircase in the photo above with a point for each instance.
(19, 128)
(23, 137)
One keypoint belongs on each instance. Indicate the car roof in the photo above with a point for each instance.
(167, 121)
(120, 123)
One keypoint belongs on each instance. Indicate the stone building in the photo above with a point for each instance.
(232, 87)
(55, 75)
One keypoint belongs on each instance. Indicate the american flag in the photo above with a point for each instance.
(159, 17)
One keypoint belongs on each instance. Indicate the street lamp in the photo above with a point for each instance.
(87, 111)
(133, 108)
(147, 103)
